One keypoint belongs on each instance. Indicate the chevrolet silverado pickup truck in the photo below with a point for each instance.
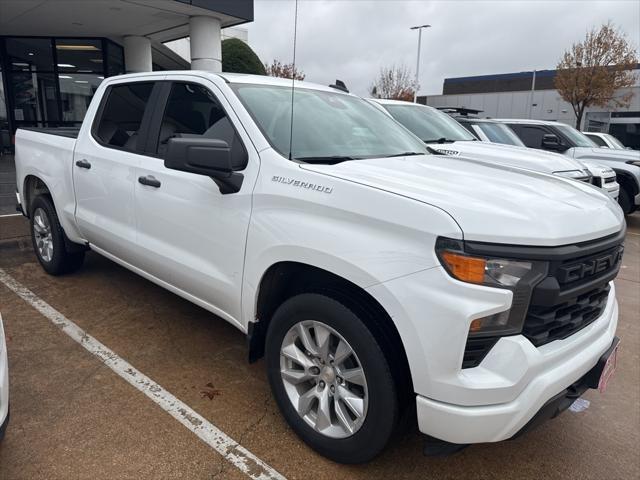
(492, 131)
(448, 136)
(380, 282)
(563, 138)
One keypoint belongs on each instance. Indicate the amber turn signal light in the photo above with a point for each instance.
(462, 267)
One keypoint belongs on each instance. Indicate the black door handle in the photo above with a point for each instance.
(83, 164)
(150, 180)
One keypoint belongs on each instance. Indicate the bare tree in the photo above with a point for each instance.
(284, 70)
(593, 71)
(395, 83)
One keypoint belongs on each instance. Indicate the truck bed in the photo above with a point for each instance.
(70, 132)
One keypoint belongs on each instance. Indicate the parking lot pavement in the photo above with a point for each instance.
(73, 417)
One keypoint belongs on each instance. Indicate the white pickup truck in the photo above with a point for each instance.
(562, 138)
(448, 136)
(377, 280)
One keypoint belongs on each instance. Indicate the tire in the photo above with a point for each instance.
(372, 430)
(625, 201)
(49, 240)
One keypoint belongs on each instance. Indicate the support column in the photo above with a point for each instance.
(137, 54)
(206, 46)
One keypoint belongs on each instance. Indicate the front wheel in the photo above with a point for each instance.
(49, 239)
(330, 378)
(625, 200)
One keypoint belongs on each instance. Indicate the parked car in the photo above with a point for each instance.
(605, 140)
(373, 276)
(562, 138)
(493, 131)
(450, 136)
(4, 383)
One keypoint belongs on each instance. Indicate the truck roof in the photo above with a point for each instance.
(528, 121)
(232, 78)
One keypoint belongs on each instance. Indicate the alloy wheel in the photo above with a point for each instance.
(324, 379)
(42, 234)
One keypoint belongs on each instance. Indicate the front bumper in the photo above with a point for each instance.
(551, 369)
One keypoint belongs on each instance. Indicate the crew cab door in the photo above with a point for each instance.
(106, 158)
(189, 234)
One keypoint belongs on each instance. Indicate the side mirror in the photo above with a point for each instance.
(552, 142)
(204, 156)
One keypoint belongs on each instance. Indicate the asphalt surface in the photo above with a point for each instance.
(73, 417)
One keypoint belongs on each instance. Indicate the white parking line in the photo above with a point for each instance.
(231, 450)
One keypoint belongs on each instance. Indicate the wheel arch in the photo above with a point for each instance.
(32, 187)
(627, 181)
(285, 279)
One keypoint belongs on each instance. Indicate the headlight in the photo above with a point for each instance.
(574, 174)
(516, 275)
(496, 272)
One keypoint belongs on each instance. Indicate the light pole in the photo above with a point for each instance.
(419, 28)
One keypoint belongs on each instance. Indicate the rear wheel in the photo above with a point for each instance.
(49, 242)
(330, 378)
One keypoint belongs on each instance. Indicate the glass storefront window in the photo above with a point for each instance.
(76, 92)
(50, 82)
(29, 54)
(80, 55)
(5, 133)
(34, 98)
(115, 59)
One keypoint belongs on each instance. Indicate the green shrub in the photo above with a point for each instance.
(237, 57)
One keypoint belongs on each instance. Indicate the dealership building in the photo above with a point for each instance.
(55, 53)
(533, 95)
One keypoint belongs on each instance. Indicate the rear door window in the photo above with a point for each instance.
(121, 116)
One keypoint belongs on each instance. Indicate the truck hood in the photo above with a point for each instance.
(511, 155)
(603, 154)
(615, 159)
(491, 203)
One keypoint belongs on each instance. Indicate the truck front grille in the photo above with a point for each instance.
(546, 324)
(572, 296)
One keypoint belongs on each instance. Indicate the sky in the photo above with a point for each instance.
(351, 40)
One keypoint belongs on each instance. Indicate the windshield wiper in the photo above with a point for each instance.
(405, 154)
(329, 160)
(440, 140)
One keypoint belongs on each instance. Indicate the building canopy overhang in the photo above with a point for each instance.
(158, 20)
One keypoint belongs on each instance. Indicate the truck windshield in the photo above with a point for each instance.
(328, 127)
(499, 133)
(617, 144)
(577, 138)
(431, 125)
